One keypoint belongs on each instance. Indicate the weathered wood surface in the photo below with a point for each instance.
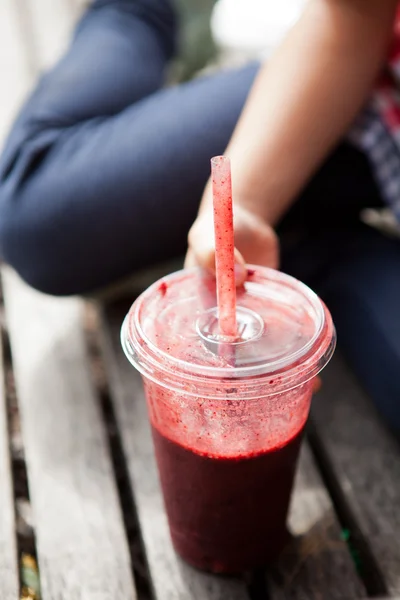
(8, 551)
(81, 543)
(317, 563)
(14, 73)
(365, 460)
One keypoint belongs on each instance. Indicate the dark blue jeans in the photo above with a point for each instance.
(104, 169)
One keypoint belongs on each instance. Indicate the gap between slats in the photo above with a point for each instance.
(9, 577)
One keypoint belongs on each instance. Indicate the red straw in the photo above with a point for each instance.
(224, 245)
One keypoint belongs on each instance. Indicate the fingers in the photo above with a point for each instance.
(201, 243)
(317, 384)
(259, 244)
(202, 251)
(255, 240)
(190, 260)
(240, 268)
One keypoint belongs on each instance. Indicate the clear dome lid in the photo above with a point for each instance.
(283, 329)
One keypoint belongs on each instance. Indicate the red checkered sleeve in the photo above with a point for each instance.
(377, 129)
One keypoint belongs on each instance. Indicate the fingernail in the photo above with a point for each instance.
(240, 274)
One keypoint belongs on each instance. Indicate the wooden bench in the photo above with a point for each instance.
(99, 529)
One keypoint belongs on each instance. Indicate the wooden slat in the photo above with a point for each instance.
(82, 549)
(15, 78)
(171, 578)
(317, 561)
(365, 460)
(8, 551)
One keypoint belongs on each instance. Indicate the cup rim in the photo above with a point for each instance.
(178, 374)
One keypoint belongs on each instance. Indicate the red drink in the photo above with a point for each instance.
(235, 508)
(228, 417)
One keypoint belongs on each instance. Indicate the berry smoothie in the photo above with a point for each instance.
(226, 515)
(227, 425)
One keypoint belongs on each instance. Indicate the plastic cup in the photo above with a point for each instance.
(228, 416)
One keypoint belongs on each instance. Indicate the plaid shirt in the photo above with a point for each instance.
(377, 129)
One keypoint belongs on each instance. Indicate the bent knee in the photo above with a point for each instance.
(28, 244)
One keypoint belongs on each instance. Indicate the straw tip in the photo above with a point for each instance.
(220, 160)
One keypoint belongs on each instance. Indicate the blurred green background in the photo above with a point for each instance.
(196, 46)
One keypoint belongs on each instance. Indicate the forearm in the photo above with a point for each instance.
(305, 98)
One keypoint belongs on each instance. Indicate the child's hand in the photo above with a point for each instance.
(255, 241)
